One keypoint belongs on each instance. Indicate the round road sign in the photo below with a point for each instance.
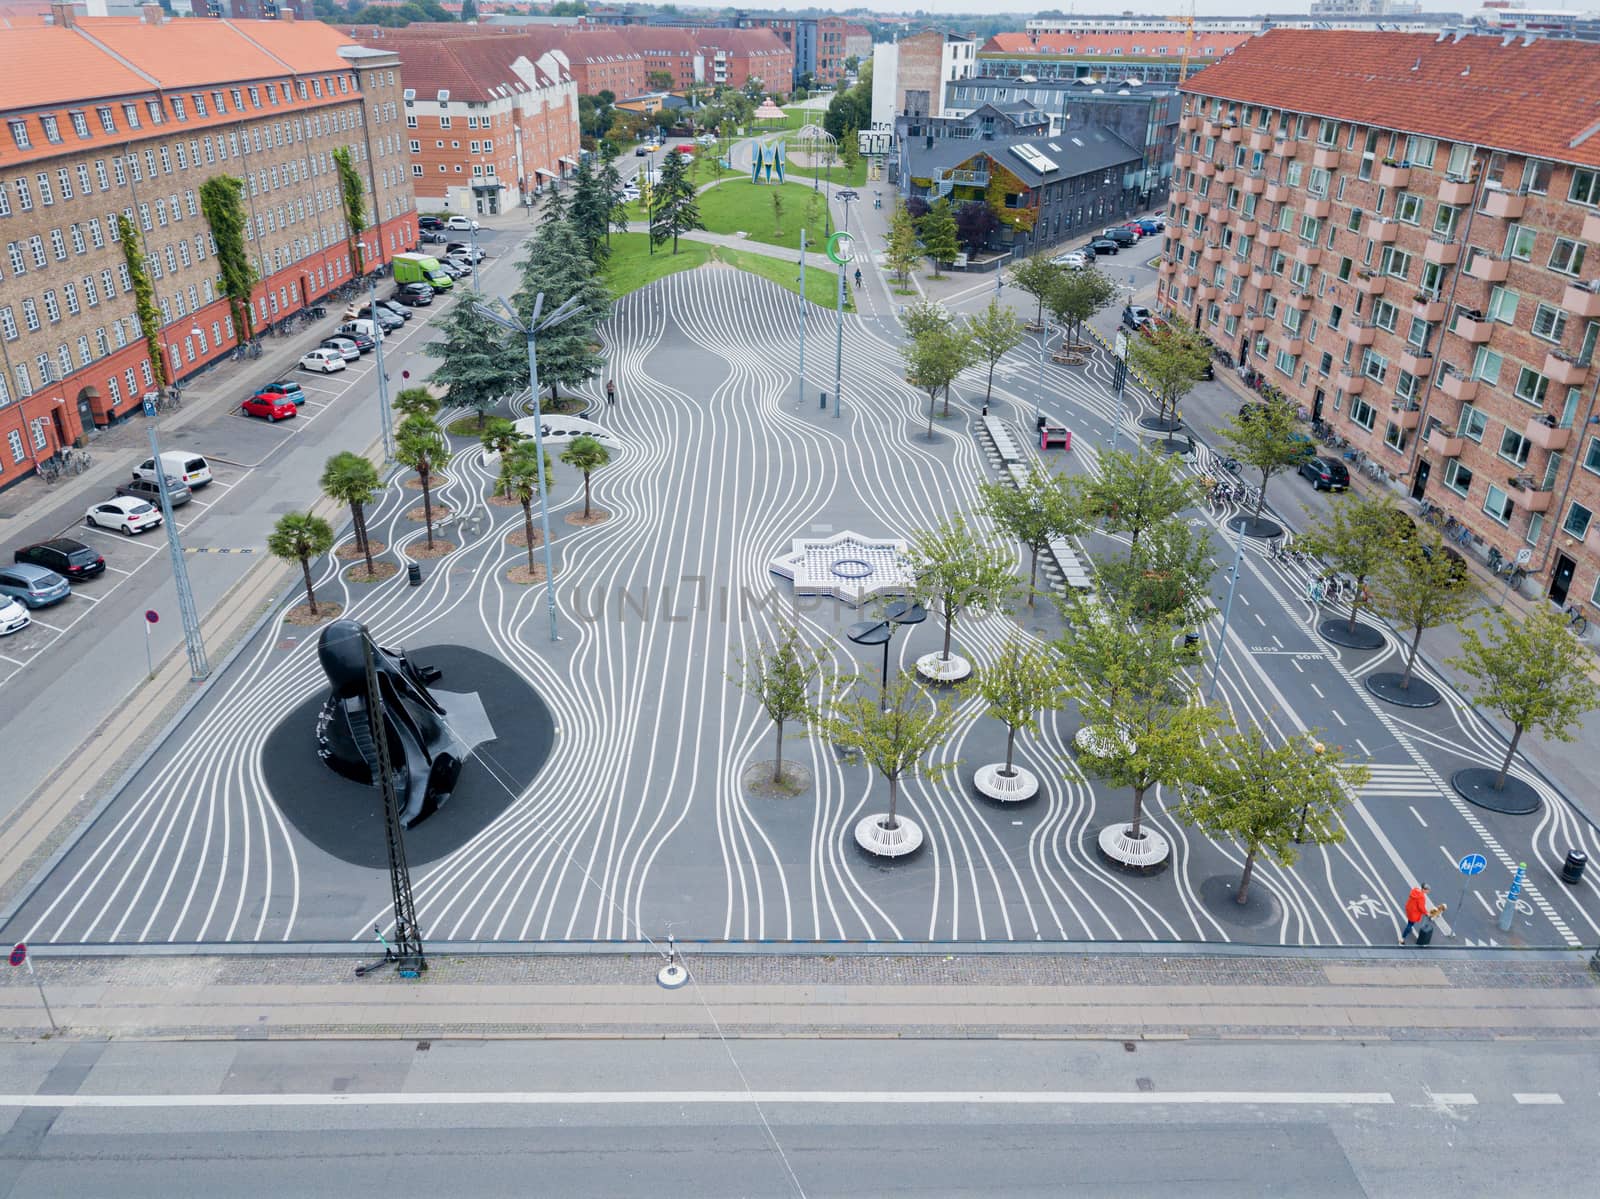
(19, 954)
(841, 247)
(152, 615)
(1472, 863)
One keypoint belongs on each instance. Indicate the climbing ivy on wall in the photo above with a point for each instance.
(144, 297)
(1001, 184)
(355, 204)
(222, 201)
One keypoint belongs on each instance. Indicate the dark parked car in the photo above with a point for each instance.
(429, 223)
(146, 489)
(1326, 474)
(413, 295)
(1137, 316)
(430, 236)
(1120, 234)
(1102, 245)
(70, 559)
(395, 309)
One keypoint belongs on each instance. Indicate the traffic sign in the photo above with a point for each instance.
(1120, 346)
(152, 616)
(19, 954)
(1472, 863)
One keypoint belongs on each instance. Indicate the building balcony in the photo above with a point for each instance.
(1546, 434)
(1394, 175)
(1238, 267)
(1369, 284)
(1294, 344)
(1457, 192)
(1234, 308)
(1363, 334)
(1205, 167)
(1167, 267)
(1209, 292)
(1582, 299)
(1416, 362)
(1233, 134)
(1564, 369)
(1591, 228)
(1260, 279)
(1179, 194)
(1272, 238)
(1212, 128)
(1408, 415)
(1524, 494)
(1254, 184)
(1508, 206)
(1475, 329)
(1246, 226)
(1307, 254)
(1190, 279)
(1191, 243)
(1351, 385)
(1261, 141)
(1254, 322)
(1182, 160)
(1326, 157)
(1443, 251)
(1427, 308)
(1212, 253)
(1300, 300)
(1189, 123)
(1445, 445)
(1380, 229)
(1277, 193)
(1319, 207)
(1486, 268)
(1458, 387)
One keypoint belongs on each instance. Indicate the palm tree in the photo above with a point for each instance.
(351, 479)
(499, 435)
(519, 479)
(586, 454)
(421, 445)
(300, 537)
(416, 401)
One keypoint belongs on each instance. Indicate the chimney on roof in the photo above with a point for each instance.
(150, 14)
(63, 15)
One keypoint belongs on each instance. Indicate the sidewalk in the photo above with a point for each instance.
(733, 242)
(1414, 995)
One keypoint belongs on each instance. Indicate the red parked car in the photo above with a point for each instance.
(271, 405)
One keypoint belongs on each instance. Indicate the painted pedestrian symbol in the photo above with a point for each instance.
(1365, 906)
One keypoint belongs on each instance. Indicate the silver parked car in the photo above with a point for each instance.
(34, 586)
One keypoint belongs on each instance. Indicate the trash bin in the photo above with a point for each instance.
(414, 574)
(1572, 868)
(824, 400)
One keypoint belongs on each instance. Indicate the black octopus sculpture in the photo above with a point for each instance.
(425, 771)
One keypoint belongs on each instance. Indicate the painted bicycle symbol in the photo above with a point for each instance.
(1523, 906)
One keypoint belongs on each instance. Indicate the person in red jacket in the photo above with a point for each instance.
(1416, 909)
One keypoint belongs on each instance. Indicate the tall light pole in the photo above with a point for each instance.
(473, 231)
(188, 613)
(385, 416)
(800, 397)
(1227, 610)
(503, 315)
(841, 248)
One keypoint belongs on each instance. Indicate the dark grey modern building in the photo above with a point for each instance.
(1144, 116)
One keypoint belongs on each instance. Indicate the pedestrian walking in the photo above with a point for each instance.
(1416, 910)
(611, 394)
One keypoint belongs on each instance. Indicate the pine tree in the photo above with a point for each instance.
(589, 211)
(673, 208)
(478, 365)
(558, 267)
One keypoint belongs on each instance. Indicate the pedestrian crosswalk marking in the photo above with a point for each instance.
(1398, 780)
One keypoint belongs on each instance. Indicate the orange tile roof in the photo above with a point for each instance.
(1528, 99)
(307, 46)
(46, 65)
(194, 53)
(1105, 45)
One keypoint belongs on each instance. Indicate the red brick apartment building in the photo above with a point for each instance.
(1400, 231)
(489, 119)
(736, 56)
(128, 116)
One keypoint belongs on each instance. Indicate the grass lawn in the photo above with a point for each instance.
(842, 176)
(631, 266)
(747, 207)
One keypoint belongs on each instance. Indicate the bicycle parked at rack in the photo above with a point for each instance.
(48, 471)
(75, 460)
(1576, 620)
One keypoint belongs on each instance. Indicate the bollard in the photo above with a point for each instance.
(824, 404)
(414, 574)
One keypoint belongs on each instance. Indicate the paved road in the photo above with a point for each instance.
(745, 1118)
(76, 663)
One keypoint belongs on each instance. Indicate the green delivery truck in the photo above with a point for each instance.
(421, 268)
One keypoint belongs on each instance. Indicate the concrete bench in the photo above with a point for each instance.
(1070, 565)
(1004, 443)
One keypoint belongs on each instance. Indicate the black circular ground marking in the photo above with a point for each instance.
(1170, 445)
(345, 819)
(1218, 894)
(1386, 686)
(1259, 528)
(1364, 636)
(1160, 424)
(1475, 784)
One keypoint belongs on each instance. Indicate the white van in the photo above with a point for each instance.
(367, 328)
(192, 469)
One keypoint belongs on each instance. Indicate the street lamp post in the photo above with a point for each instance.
(188, 612)
(881, 632)
(800, 395)
(503, 316)
(842, 250)
(1227, 610)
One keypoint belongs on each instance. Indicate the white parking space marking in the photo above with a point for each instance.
(16, 662)
(43, 625)
(119, 570)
